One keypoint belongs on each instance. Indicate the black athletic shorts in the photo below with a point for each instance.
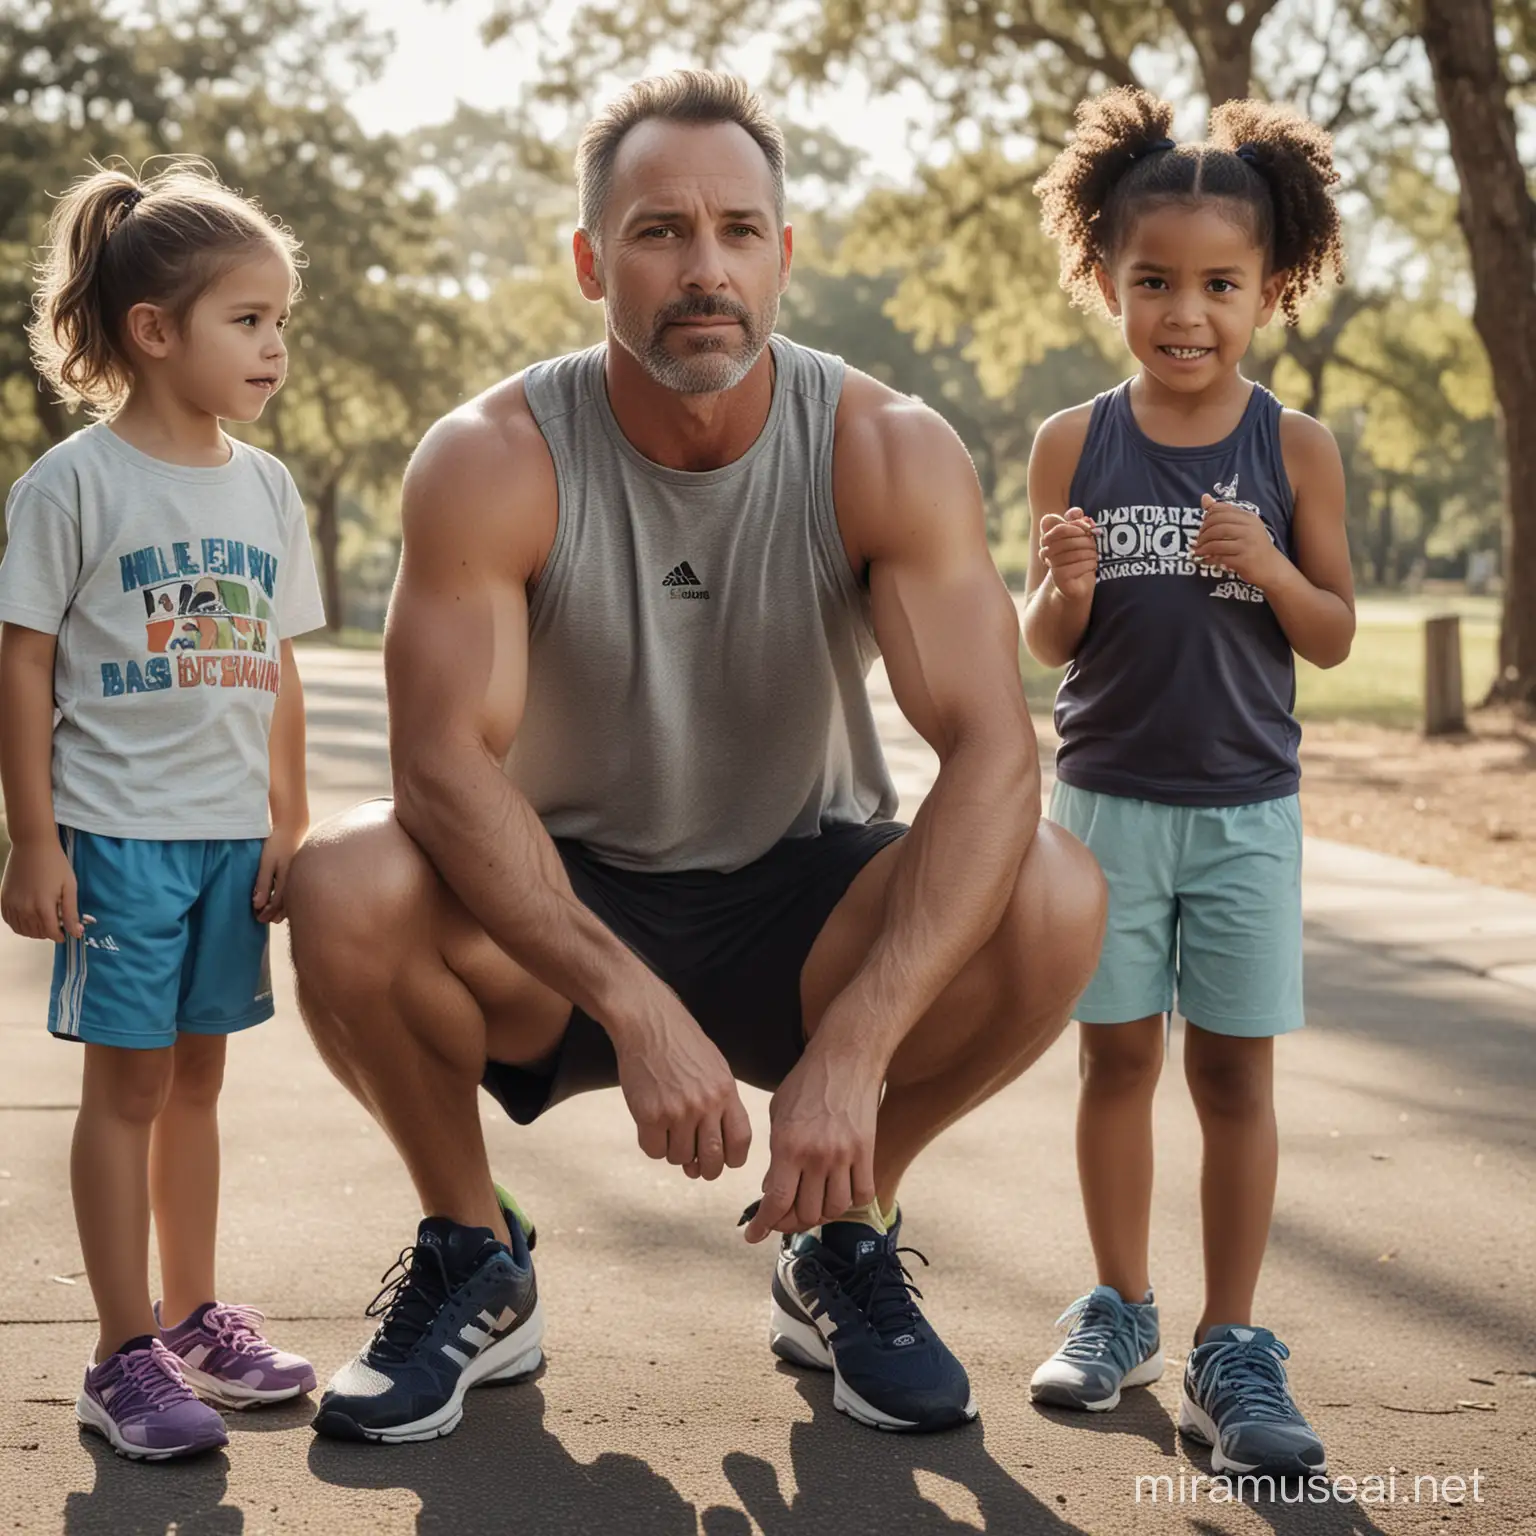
(731, 947)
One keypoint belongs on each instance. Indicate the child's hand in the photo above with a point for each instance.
(1070, 549)
(39, 898)
(272, 874)
(1235, 538)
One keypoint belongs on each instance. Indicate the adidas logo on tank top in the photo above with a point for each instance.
(683, 582)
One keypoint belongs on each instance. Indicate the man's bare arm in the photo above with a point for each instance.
(477, 515)
(911, 509)
(950, 637)
(456, 661)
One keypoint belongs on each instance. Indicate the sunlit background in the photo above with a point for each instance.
(422, 150)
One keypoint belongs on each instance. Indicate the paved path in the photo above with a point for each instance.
(1401, 1272)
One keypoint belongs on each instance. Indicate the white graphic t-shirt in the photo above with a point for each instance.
(169, 588)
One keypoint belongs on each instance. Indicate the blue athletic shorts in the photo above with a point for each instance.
(175, 945)
(1204, 908)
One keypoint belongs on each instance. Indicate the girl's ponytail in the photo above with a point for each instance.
(71, 342)
(1121, 135)
(117, 239)
(1294, 157)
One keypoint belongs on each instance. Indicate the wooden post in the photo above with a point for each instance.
(1444, 713)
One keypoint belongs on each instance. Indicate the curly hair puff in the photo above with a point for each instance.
(1267, 162)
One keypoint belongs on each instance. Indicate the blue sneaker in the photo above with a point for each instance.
(1113, 1343)
(1237, 1401)
(843, 1302)
(462, 1311)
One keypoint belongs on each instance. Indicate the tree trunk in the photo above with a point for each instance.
(328, 536)
(1226, 64)
(1221, 34)
(1382, 564)
(1498, 219)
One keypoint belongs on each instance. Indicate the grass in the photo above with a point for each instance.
(1382, 683)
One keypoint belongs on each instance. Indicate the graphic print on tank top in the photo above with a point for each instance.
(1159, 541)
(1183, 684)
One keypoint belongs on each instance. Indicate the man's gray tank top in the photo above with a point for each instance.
(698, 642)
(1183, 685)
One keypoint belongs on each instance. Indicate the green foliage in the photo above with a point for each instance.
(439, 261)
(1393, 358)
(256, 88)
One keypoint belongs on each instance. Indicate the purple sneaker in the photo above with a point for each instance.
(224, 1356)
(140, 1401)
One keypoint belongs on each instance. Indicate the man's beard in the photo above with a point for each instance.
(712, 360)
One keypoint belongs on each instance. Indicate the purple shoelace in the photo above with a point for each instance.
(155, 1373)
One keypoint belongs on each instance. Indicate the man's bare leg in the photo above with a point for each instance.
(1003, 1010)
(397, 991)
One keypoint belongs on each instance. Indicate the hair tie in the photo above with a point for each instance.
(1152, 148)
(132, 200)
(1250, 153)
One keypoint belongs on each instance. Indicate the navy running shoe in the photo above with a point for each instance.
(463, 1310)
(843, 1302)
(1237, 1401)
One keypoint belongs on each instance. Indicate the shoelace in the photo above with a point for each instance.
(1250, 1376)
(880, 1288)
(408, 1301)
(1103, 1327)
(238, 1328)
(156, 1373)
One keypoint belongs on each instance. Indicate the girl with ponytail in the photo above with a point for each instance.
(1189, 543)
(152, 753)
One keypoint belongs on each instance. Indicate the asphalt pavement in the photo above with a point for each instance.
(1402, 1271)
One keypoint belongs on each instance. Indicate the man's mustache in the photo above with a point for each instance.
(705, 307)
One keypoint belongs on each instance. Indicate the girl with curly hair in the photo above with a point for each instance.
(1189, 543)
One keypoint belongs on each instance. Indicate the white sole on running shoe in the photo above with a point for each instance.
(1197, 1424)
(519, 1354)
(1059, 1394)
(92, 1415)
(801, 1343)
(230, 1394)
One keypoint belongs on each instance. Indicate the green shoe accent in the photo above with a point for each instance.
(511, 1208)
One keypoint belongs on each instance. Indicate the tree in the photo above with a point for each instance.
(970, 268)
(1498, 218)
(378, 344)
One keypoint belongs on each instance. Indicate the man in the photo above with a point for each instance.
(641, 829)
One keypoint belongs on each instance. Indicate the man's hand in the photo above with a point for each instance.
(1237, 539)
(1069, 547)
(822, 1144)
(39, 898)
(682, 1096)
(272, 873)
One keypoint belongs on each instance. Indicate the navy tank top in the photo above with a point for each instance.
(1183, 686)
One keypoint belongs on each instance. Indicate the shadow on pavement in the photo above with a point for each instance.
(855, 1482)
(1297, 1510)
(134, 1499)
(1410, 1002)
(1139, 1414)
(503, 1470)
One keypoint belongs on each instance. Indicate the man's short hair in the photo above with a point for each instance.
(681, 96)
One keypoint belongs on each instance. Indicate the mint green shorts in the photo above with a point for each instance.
(1204, 910)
